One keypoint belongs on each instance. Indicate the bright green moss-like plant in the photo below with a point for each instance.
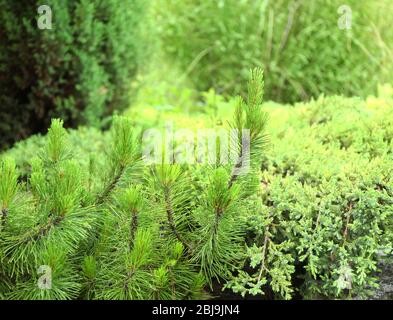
(323, 217)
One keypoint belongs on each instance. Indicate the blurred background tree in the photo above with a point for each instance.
(81, 70)
(298, 42)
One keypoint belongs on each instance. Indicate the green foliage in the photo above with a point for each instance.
(8, 187)
(313, 221)
(299, 43)
(219, 245)
(127, 231)
(323, 217)
(80, 70)
(87, 145)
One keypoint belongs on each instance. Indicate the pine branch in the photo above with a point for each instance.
(170, 217)
(111, 186)
(43, 231)
(4, 214)
(218, 246)
(218, 214)
(133, 227)
(253, 119)
(128, 278)
(240, 161)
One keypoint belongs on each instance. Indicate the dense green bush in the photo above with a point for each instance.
(325, 216)
(299, 43)
(87, 143)
(80, 70)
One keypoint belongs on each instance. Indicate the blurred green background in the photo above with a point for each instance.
(102, 57)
